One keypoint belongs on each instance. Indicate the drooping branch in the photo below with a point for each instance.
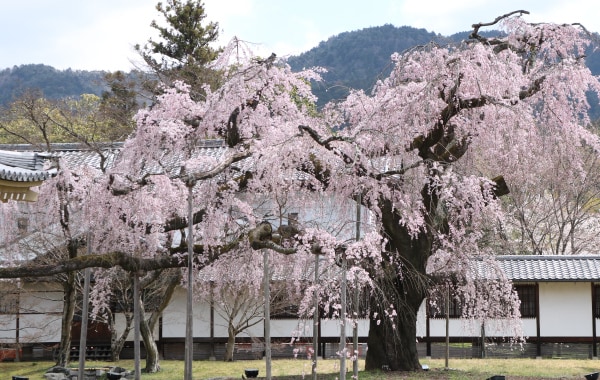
(231, 131)
(118, 188)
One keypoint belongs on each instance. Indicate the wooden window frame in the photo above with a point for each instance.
(528, 296)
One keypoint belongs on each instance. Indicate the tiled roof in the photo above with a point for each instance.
(521, 268)
(79, 158)
(22, 167)
(77, 155)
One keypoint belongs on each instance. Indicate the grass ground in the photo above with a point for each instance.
(467, 369)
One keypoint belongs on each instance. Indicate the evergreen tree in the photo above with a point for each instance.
(183, 50)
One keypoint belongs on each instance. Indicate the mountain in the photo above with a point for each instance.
(54, 84)
(357, 59)
(353, 59)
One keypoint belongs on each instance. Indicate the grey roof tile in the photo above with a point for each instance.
(77, 155)
(549, 268)
(22, 167)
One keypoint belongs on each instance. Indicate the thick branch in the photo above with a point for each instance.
(263, 237)
(179, 223)
(191, 178)
(326, 143)
(121, 259)
(475, 33)
(109, 260)
(533, 89)
(442, 133)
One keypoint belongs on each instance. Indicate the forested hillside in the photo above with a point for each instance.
(357, 59)
(54, 84)
(353, 59)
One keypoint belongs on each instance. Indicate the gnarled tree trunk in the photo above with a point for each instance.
(392, 339)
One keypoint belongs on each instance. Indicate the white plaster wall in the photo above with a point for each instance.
(221, 327)
(472, 328)
(41, 328)
(461, 327)
(529, 327)
(173, 317)
(40, 308)
(422, 320)
(300, 328)
(565, 309)
(173, 323)
(8, 324)
(41, 302)
(331, 328)
(42, 286)
(458, 327)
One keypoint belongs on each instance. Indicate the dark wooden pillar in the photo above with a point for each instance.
(537, 320)
(594, 340)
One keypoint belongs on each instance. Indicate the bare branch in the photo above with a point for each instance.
(475, 33)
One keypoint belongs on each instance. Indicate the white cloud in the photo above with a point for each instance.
(85, 34)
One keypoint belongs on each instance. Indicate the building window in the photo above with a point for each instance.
(596, 301)
(528, 296)
(22, 225)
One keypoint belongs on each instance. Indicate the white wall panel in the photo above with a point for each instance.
(565, 309)
(174, 318)
(41, 328)
(8, 324)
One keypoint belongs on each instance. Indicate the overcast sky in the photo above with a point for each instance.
(100, 34)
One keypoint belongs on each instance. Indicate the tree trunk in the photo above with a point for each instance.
(149, 324)
(152, 357)
(64, 348)
(395, 348)
(403, 283)
(230, 345)
(118, 341)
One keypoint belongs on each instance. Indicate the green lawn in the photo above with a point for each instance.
(469, 369)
